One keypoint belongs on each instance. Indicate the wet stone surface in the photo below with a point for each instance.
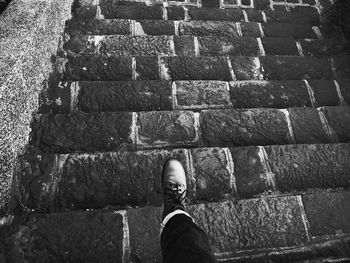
(197, 68)
(325, 92)
(269, 94)
(269, 222)
(307, 126)
(301, 167)
(328, 213)
(64, 133)
(246, 68)
(280, 46)
(235, 15)
(323, 48)
(244, 127)
(69, 237)
(166, 129)
(234, 46)
(288, 30)
(339, 119)
(202, 94)
(213, 171)
(249, 171)
(294, 68)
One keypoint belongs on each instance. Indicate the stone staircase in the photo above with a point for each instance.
(251, 96)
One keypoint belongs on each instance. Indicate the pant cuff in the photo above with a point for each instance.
(170, 215)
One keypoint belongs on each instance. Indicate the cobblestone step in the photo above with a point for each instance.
(140, 11)
(60, 182)
(123, 45)
(110, 131)
(273, 223)
(194, 28)
(226, 68)
(153, 95)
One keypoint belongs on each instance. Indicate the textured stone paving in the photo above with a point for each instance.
(250, 95)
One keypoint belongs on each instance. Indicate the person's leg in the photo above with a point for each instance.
(181, 239)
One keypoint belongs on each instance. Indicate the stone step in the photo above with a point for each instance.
(226, 68)
(115, 10)
(213, 4)
(154, 95)
(125, 45)
(60, 182)
(194, 28)
(280, 228)
(111, 131)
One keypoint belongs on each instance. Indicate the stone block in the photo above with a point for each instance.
(246, 68)
(69, 237)
(85, 12)
(202, 94)
(64, 133)
(313, 252)
(116, 178)
(261, 4)
(294, 68)
(176, 128)
(156, 28)
(103, 96)
(211, 3)
(132, 45)
(58, 98)
(175, 13)
(211, 14)
(208, 28)
(342, 66)
(251, 173)
(323, 47)
(235, 46)
(254, 223)
(144, 231)
(250, 29)
(114, 10)
(302, 167)
(213, 173)
(98, 27)
(339, 119)
(280, 46)
(254, 15)
(288, 30)
(92, 181)
(307, 126)
(325, 92)
(184, 46)
(244, 127)
(147, 68)
(328, 213)
(197, 68)
(269, 94)
(96, 68)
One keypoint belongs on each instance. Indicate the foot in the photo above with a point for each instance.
(174, 186)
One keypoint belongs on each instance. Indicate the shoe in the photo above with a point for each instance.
(174, 186)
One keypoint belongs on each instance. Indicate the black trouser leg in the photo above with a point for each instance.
(183, 241)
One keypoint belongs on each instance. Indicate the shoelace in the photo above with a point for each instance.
(175, 196)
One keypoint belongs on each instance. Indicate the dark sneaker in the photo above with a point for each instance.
(174, 186)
